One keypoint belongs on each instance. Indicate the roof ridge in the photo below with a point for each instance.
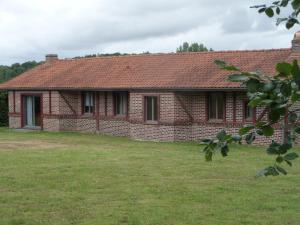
(174, 53)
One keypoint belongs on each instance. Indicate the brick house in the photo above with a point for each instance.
(167, 97)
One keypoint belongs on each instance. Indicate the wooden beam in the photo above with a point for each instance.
(14, 101)
(182, 104)
(105, 103)
(50, 102)
(68, 103)
(234, 107)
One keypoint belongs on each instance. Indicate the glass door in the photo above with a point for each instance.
(32, 111)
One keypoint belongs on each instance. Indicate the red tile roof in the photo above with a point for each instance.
(153, 71)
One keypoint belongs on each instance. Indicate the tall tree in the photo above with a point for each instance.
(194, 47)
(279, 95)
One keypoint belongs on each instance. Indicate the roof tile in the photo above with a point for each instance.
(157, 71)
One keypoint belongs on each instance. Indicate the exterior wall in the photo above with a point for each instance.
(182, 115)
(192, 109)
(15, 111)
(164, 130)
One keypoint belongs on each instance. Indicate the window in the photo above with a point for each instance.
(121, 101)
(88, 102)
(248, 112)
(151, 108)
(216, 106)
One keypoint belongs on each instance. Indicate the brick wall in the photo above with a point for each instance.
(191, 108)
(182, 115)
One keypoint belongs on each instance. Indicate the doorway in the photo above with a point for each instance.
(32, 111)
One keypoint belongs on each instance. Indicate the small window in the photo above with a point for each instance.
(88, 102)
(151, 108)
(121, 101)
(248, 112)
(216, 107)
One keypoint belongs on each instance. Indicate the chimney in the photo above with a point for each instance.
(296, 43)
(51, 57)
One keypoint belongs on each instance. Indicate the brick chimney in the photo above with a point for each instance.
(51, 57)
(296, 43)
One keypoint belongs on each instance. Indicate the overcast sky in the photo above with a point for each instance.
(29, 29)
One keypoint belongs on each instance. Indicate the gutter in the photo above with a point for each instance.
(124, 89)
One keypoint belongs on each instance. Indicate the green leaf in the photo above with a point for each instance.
(292, 117)
(250, 138)
(288, 162)
(269, 171)
(244, 130)
(273, 149)
(208, 156)
(220, 63)
(281, 170)
(296, 97)
(281, 108)
(291, 22)
(296, 4)
(261, 124)
(236, 138)
(268, 131)
(268, 87)
(255, 102)
(279, 159)
(274, 115)
(297, 130)
(205, 141)
(284, 68)
(284, 148)
(231, 68)
(284, 3)
(286, 90)
(269, 12)
(295, 70)
(252, 85)
(261, 10)
(223, 65)
(238, 78)
(221, 135)
(291, 156)
(224, 150)
(259, 132)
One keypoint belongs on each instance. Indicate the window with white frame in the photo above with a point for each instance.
(121, 101)
(151, 108)
(88, 102)
(216, 106)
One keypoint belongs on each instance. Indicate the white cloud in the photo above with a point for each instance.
(32, 28)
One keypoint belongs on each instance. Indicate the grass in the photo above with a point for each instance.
(72, 178)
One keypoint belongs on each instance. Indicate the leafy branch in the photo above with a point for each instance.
(279, 95)
(275, 9)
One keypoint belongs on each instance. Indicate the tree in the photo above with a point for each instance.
(6, 73)
(280, 97)
(194, 47)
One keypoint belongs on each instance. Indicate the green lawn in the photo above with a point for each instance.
(71, 178)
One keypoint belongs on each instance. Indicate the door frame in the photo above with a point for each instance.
(22, 107)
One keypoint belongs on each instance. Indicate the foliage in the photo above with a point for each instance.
(6, 73)
(194, 47)
(279, 95)
(275, 9)
(3, 109)
(108, 55)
